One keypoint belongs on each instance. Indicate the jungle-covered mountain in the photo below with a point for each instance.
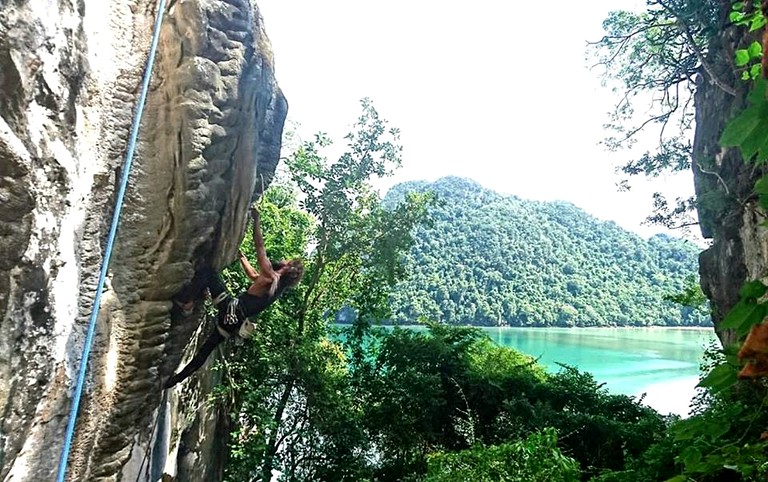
(489, 259)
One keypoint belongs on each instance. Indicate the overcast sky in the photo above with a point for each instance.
(498, 91)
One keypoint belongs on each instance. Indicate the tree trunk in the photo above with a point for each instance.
(272, 443)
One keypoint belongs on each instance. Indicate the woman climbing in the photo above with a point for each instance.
(267, 285)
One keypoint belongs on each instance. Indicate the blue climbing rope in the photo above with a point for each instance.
(110, 242)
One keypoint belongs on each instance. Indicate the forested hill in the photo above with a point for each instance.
(489, 259)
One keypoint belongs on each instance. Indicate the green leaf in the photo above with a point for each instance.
(743, 316)
(741, 57)
(758, 22)
(755, 70)
(721, 377)
(754, 289)
(678, 478)
(755, 50)
(745, 75)
(736, 17)
(690, 456)
(685, 429)
(717, 429)
(761, 186)
(747, 130)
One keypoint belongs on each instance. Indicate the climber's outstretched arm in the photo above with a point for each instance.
(265, 266)
(251, 273)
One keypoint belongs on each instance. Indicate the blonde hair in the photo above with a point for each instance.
(292, 271)
(275, 283)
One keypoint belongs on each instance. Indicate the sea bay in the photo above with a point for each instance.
(662, 363)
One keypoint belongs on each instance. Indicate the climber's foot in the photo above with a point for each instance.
(184, 307)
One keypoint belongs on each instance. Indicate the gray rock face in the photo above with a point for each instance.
(728, 211)
(69, 79)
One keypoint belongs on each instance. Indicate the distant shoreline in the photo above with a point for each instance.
(652, 327)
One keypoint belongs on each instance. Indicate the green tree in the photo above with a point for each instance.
(488, 259)
(444, 390)
(535, 459)
(653, 58)
(413, 401)
(292, 410)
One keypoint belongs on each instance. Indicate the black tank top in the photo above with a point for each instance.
(249, 305)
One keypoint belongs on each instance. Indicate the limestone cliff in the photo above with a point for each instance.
(728, 210)
(69, 78)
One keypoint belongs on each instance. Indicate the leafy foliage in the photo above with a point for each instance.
(537, 458)
(438, 391)
(448, 404)
(649, 52)
(691, 295)
(289, 392)
(744, 315)
(440, 404)
(747, 14)
(720, 441)
(723, 439)
(747, 130)
(487, 259)
(652, 58)
(657, 51)
(746, 58)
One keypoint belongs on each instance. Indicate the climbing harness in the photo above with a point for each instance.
(231, 318)
(246, 329)
(70, 431)
(223, 296)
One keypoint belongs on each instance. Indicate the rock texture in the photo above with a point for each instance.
(728, 212)
(69, 78)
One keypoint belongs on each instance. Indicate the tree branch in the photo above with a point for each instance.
(713, 173)
(708, 68)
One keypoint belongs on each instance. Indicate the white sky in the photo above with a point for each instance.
(497, 91)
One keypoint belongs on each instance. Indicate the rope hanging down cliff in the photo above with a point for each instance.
(110, 242)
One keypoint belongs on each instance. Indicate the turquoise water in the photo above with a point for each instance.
(663, 363)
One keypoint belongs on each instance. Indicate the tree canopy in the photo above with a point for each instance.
(487, 259)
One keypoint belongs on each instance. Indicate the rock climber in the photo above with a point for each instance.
(267, 284)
